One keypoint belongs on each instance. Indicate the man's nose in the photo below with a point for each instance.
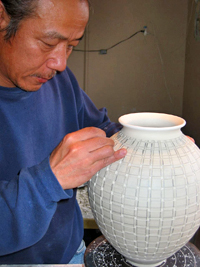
(58, 59)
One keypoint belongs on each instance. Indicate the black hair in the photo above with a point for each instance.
(17, 10)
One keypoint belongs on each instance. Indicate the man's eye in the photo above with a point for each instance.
(49, 45)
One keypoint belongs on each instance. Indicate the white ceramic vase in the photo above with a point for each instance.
(147, 205)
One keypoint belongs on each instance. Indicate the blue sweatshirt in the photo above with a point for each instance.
(40, 222)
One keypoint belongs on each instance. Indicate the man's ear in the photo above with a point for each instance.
(4, 18)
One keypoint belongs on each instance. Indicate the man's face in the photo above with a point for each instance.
(42, 43)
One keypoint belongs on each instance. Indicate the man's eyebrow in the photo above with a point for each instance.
(56, 35)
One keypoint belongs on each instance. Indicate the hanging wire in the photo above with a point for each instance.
(104, 51)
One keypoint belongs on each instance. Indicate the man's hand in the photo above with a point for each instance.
(190, 138)
(81, 154)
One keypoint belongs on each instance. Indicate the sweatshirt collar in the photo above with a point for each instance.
(14, 93)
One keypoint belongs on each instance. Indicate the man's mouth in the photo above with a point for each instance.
(41, 80)
(44, 79)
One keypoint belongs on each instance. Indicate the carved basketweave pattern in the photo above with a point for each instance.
(147, 204)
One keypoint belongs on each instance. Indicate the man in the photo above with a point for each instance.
(52, 137)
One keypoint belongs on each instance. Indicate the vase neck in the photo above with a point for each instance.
(152, 126)
(151, 134)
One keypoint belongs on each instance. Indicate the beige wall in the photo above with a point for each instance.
(146, 73)
(191, 100)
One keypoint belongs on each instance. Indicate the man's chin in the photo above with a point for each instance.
(30, 86)
(31, 89)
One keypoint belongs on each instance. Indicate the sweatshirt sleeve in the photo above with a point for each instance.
(97, 117)
(89, 114)
(27, 206)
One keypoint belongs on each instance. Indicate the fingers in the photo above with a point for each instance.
(92, 145)
(192, 139)
(103, 162)
(83, 134)
(74, 143)
(81, 154)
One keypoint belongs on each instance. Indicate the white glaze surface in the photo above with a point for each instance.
(147, 204)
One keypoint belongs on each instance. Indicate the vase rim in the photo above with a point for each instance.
(152, 121)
